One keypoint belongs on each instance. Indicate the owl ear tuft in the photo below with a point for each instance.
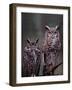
(47, 27)
(28, 41)
(37, 41)
(57, 27)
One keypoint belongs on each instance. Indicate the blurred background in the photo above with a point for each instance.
(33, 25)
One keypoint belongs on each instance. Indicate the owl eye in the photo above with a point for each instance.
(49, 32)
(55, 32)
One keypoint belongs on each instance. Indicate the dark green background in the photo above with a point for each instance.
(33, 25)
